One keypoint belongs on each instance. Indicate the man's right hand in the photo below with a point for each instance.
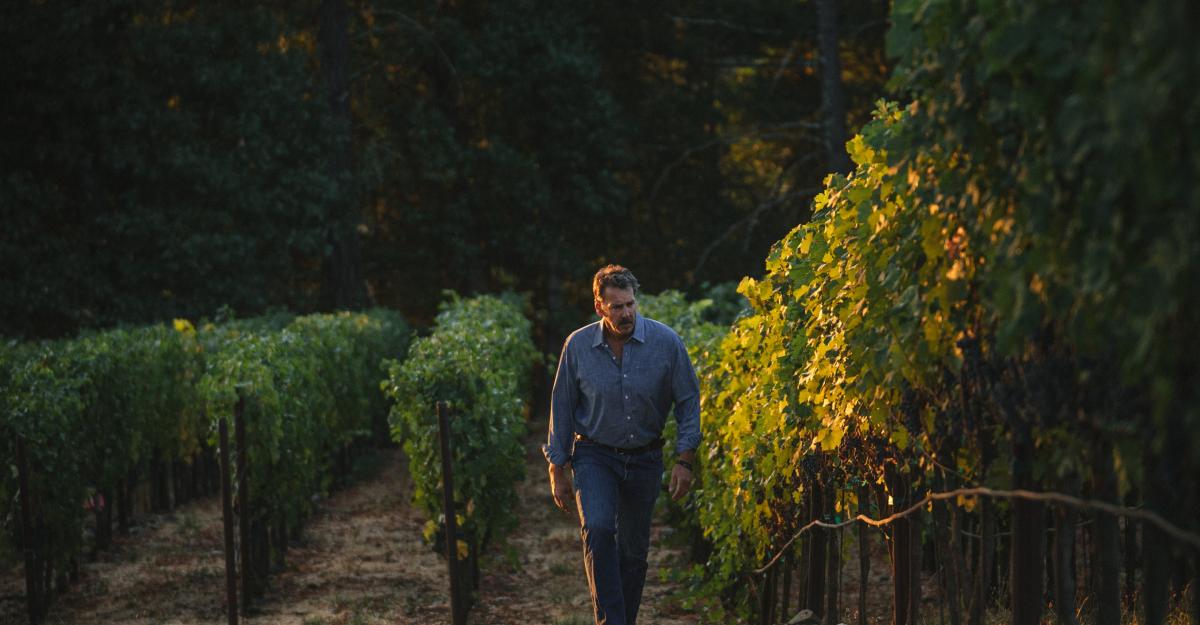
(560, 487)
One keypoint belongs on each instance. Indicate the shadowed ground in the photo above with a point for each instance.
(361, 560)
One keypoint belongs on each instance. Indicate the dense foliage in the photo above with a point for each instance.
(91, 411)
(1001, 293)
(161, 160)
(308, 390)
(165, 159)
(702, 324)
(478, 360)
(102, 413)
(691, 128)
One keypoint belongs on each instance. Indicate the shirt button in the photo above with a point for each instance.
(624, 375)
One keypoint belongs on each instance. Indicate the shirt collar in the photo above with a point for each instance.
(639, 331)
(639, 328)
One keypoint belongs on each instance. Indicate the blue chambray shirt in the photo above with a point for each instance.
(625, 404)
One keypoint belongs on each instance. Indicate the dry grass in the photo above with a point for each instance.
(361, 561)
(540, 580)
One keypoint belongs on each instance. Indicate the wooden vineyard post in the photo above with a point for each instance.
(788, 563)
(457, 609)
(243, 471)
(900, 547)
(817, 545)
(227, 518)
(766, 596)
(32, 596)
(833, 559)
(864, 556)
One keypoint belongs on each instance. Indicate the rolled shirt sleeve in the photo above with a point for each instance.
(685, 388)
(561, 438)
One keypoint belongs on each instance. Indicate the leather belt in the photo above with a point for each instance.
(629, 451)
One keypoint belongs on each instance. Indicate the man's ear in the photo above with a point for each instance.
(599, 310)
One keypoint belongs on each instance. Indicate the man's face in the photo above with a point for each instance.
(618, 309)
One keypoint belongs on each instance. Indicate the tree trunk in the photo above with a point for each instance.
(945, 535)
(1107, 557)
(940, 538)
(183, 482)
(833, 97)
(1026, 550)
(262, 551)
(1064, 570)
(958, 559)
(1131, 551)
(982, 597)
(104, 519)
(1155, 545)
(125, 503)
(46, 565)
(344, 285)
(158, 481)
(196, 473)
(1195, 606)
(279, 542)
(169, 482)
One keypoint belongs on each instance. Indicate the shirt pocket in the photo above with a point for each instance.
(652, 379)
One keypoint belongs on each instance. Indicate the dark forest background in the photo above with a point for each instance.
(192, 159)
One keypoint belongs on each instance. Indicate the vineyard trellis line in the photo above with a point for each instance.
(979, 491)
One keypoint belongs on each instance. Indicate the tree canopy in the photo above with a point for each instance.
(169, 159)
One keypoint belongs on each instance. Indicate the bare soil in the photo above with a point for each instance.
(360, 560)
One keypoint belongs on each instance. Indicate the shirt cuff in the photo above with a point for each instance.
(687, 445)
(555, 456)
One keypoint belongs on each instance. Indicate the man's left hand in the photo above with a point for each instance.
(681, 482)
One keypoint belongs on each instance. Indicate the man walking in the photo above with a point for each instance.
(617, 380)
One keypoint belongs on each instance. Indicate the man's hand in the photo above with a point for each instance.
(560, 488)
(681, 482)
(681, 476)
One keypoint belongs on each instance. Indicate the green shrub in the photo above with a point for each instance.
(477, 359)
(104, 406)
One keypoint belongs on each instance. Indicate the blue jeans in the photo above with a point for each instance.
(615, 495)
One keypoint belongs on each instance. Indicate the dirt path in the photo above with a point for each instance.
(549, 585)
(360, 561)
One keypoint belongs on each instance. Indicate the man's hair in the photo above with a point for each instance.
(614, 276)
